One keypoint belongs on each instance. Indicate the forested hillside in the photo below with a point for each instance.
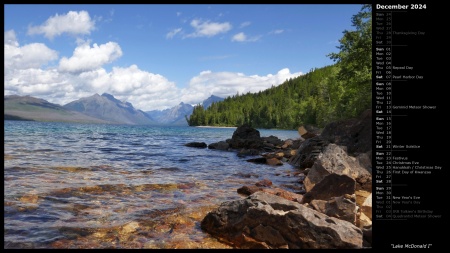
(323, 95)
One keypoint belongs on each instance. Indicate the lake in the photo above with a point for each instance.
(120, 186)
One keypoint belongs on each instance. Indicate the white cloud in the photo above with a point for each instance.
(10, 38)
(244, 24)
(32, 55)
(224, 84)
(86, 58)
(172, 33)
(83, 75)
(278, 31)
(241, 37)
(73, 23)
(208, 29)
(178, 13)
(35, 82)
(145, 90)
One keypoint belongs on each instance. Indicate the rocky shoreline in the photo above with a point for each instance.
(332, 207)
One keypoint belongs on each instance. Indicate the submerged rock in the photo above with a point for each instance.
(196, 144)
(221, 145)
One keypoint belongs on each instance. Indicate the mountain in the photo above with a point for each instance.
(173, 116)
(207, 102)
(177, 114)
(106, 107)
(36, 109)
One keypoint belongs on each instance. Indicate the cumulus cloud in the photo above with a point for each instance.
(83, 75)
(32, 55)
(145, 90)
(10, 38)
(73, 23)
(224, 84)
(241, 37)
(172, 33)
(87, 58)
(207, 28)
(36, 82)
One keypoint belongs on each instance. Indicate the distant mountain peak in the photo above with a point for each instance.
(108, 108)
(109, 96)
(212, 99)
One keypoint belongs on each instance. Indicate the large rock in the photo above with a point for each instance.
(307, 153)
(355, 134)
(221, 145)
(265, 186)
(365, 160)
(273, 140)
(332, 185)
(341, 208)
(267, 221)
(245, 137)
(333, 159)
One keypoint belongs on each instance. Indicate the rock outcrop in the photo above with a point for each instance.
(267, 221)
(334, 160)
(307, 153)
(245, 137)
(335, 210)
(355, 134)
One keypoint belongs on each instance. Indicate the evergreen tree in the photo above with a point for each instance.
(323, 95)
(355, 61)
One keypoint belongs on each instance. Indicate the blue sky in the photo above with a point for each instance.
(156, 56)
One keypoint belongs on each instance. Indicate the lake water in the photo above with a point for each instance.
(118, 186)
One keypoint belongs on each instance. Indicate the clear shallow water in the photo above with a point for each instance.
(117, 186)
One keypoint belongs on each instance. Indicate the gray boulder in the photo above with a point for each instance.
(246, 137)
(264, 220)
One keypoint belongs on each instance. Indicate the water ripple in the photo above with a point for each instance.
(111, 186)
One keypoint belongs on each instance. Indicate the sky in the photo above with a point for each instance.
(156, 56)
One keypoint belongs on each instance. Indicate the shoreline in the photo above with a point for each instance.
(214, 127)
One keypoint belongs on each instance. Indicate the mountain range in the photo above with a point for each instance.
(177, 114)
(108, 108)
(36, 109)
(96, 109)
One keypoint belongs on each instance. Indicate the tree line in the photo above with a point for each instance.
(339, 91)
